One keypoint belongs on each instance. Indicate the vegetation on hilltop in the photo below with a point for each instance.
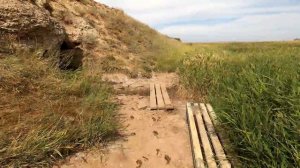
(145, 43)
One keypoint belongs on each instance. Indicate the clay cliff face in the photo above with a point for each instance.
(30, 25)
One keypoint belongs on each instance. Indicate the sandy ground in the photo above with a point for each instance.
(151, 139)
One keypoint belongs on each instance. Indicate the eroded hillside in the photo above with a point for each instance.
(106, 35)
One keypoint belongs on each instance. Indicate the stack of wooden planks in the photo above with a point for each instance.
(159, 98)
(206, 146)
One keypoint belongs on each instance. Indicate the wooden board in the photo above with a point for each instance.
(211, 114)
(209, 155)
(218, 148)
(153, 104)
(159, 98)
(195, 143)
(168, 104)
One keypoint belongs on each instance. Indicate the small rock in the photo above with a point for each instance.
(155, 133)
(132, 117)
(133, 134)
(142, 106)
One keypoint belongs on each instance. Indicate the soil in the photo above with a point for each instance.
(150, 139)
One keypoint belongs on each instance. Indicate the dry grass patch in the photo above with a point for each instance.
(46, 114)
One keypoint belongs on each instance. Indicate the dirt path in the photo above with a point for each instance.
(152, 139)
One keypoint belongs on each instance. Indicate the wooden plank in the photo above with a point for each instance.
(208, 152)
(218, 148)
(160, 100)
(168, 104)
(196, 148)
(211, 114)
(153, 104)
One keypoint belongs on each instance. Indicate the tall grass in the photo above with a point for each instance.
(47, 114)
(167, 53)
(255, 89)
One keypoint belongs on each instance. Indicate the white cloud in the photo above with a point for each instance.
(217, 20)
(249, 28)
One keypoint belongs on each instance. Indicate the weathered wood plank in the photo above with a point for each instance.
(153, 103)
(195, 143)
(211, 114)
(160, 100)
(208, 152)
(218, 148)
(168, 104)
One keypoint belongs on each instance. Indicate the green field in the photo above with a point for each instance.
(255, 90)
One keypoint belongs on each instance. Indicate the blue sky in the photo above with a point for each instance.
(217, 20)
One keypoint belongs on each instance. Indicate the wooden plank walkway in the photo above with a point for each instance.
(153, 103)
(196, 148)
(206, 146)
(159, 98)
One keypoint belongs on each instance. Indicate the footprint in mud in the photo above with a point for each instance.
(157, 151)
(168, 159)
(145, 158)
(139, 163)
(156, 119)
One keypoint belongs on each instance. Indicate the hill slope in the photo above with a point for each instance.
(45, 113)
(122, 43)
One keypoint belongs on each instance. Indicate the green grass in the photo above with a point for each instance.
(255, 90)
(47, 114)
(167, 54)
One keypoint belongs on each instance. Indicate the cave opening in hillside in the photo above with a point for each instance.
(70, 55)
